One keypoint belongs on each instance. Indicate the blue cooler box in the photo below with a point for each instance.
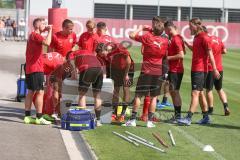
(21, 87)
(78, 119)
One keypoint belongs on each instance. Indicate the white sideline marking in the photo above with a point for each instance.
(197, 143)
(73, 152)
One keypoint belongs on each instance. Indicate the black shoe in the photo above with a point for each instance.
(226, 111)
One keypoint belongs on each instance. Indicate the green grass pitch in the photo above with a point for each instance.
(223, 134)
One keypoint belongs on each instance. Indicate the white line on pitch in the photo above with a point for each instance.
(196, 142)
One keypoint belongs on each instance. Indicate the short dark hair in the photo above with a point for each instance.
(169, 24)
(36, 20)
(101, 25)
(66, 22)
(158, 19)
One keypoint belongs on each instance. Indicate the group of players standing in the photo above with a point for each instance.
(99, 56)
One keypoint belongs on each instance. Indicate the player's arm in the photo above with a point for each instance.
(133, 34)
(80, 43)
(189, 45)
(74, 43)
(207, 44)
(74, 71)
(128, 65)
(180, 55)
(215, 71)
(48, 39)
(224, 50)
(128, 60)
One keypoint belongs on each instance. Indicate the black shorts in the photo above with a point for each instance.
(175, 80)
(90, 76)
(118, 77)
(210, 81)
(35, 81)
(198, 80)
(149, 85)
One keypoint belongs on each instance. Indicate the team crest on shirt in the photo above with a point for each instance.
(71, 40)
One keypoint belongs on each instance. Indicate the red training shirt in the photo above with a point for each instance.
(217, 49)
(34, 53)
(63, 43)
(154, 49)
(118, 58)
(87, 41)
(51, 61)
(105, 39)
(201, 45)
(85, 60)
(176, 46)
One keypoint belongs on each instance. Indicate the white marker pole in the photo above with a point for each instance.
(146, 144)
(125, 138)
(171, 137)
(140, 138)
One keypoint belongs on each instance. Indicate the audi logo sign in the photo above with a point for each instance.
(218, 30)
(119, 29)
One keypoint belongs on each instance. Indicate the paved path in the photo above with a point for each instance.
(19, 141)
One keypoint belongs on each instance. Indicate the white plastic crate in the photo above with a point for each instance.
(70, 93)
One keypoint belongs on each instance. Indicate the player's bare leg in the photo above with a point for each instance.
(136, 104)
(223, 97)
(98, 106)
(193, 107)
(29, 100)
(126, 99)
(165, 95)
(177, 102)
(82, 99)
(115, 101)
(152, 109)
(39, 101)
(210, 99)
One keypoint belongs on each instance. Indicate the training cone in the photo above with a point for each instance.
(208, 148)
(146, 105)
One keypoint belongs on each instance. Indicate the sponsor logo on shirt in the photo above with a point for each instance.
(157, 44)
(215, 41)
(107, 40)
(71, 40)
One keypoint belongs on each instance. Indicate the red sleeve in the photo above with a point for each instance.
(37, 38)
(53, 41)
(56, 44)
(139, 38)
(178, 44)
(74, 39)
(80, 41)
(114, 40)
(222, 45)
(207, 43)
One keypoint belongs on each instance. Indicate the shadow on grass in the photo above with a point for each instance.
(224, 126)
